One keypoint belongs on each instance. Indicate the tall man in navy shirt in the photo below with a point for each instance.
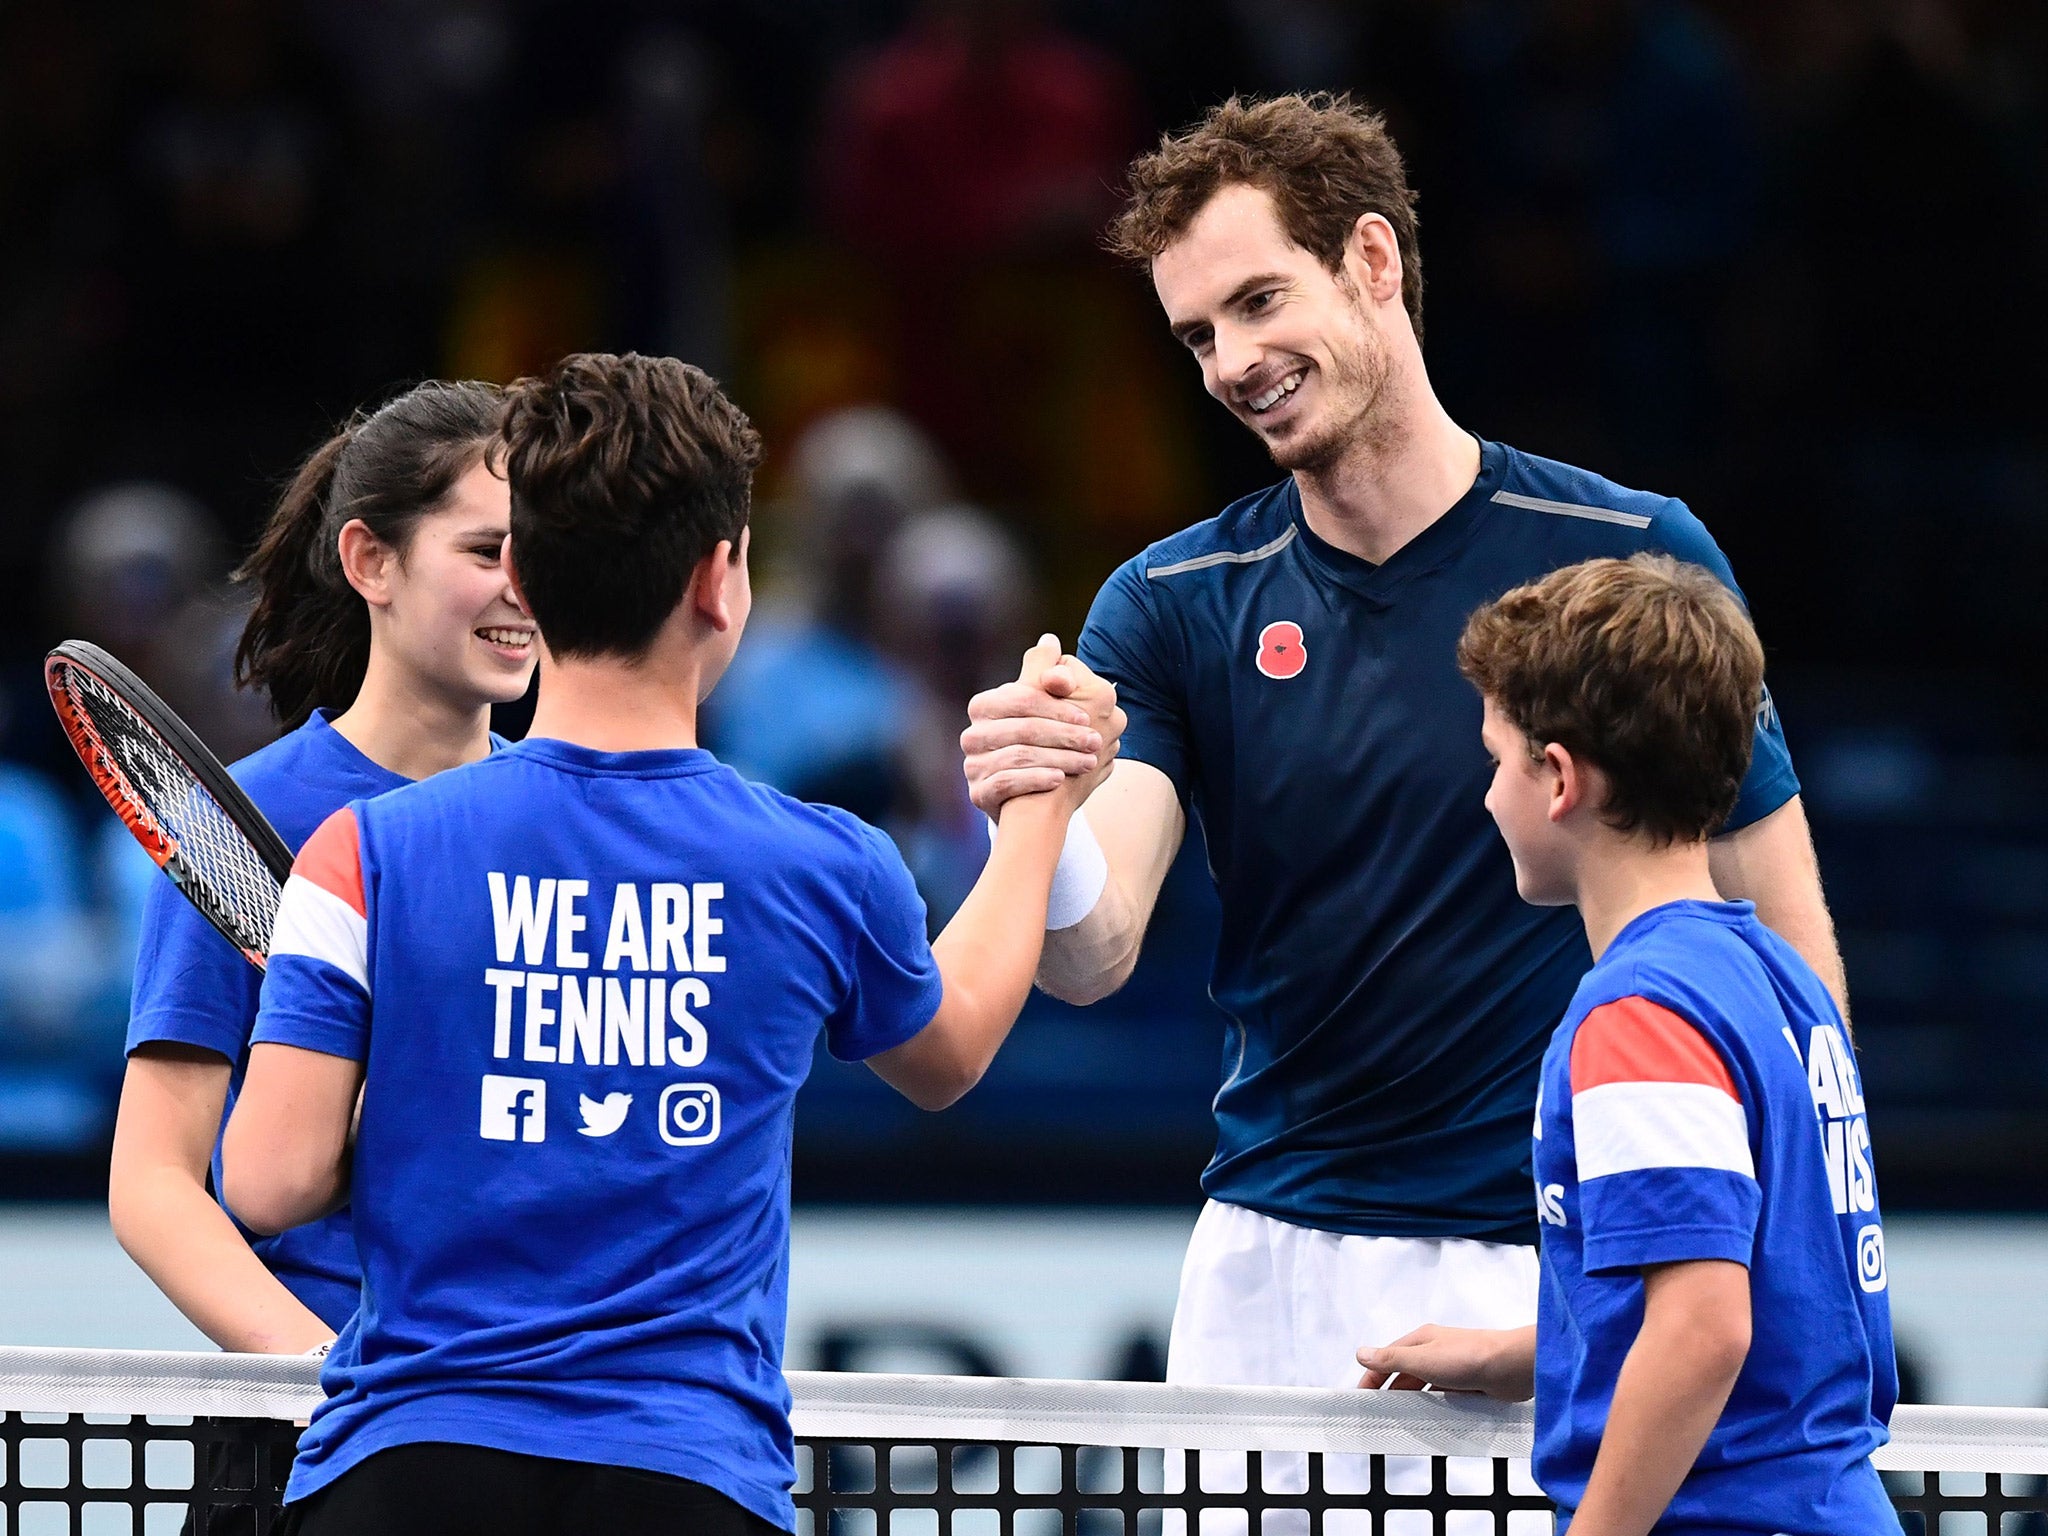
(1289, 673)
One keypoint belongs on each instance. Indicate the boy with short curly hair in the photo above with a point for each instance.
(1713, 1344)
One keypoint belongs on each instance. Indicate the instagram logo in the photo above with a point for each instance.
(689, 1114)
(1870, 1258)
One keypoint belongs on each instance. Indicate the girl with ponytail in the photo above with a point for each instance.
(384, 629)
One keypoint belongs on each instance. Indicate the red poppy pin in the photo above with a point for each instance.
(1281, 652)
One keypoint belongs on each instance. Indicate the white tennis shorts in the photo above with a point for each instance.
(1268, 1304)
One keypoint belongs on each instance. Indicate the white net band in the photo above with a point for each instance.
(986, 1410)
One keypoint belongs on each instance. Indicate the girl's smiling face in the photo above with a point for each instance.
(448, 613)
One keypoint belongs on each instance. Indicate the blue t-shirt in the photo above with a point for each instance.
(1388, 994)
(192, 987)
(586, 987)
(1700, 1101)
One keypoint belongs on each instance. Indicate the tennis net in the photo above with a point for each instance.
(96, 1442)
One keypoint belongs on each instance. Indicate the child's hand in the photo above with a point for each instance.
(1057, 720)
(1500, 1362)
(1071, 676)
(1068, 677)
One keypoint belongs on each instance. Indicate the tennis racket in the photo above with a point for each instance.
(172, 794)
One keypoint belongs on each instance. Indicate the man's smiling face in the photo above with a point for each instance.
(1288, 345)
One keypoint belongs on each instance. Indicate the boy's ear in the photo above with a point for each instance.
(1567, 779)
(512, 576)
(714, 586)
(1574, 782)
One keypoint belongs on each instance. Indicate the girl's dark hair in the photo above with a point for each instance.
(307, 642)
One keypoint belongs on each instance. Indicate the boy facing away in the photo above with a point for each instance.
(1713, 1345)
(579, 988)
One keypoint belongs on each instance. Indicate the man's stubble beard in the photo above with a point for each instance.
(1359, 416)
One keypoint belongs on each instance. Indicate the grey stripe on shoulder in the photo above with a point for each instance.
(1226, 557)
(1571, 509)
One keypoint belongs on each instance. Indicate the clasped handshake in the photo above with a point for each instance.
(1057, 721)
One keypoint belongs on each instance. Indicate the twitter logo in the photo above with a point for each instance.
(601, 1119)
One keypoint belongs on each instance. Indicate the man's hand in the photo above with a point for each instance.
(1058, 721)
(1500, 1362)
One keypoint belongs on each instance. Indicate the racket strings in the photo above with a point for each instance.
(222, 870)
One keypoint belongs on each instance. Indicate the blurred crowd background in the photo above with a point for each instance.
(1786, 261)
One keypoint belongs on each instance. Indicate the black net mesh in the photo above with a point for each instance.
(97, 1475)
(215, 865)
(965, 1488)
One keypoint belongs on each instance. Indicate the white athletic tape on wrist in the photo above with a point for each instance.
(1078, 878)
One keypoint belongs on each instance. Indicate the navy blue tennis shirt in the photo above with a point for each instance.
(1388, 993)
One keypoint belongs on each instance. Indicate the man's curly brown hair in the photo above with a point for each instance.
(1648, 668)
(1324, 160)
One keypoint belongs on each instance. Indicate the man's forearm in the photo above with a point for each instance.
(1818, 947)
(1135, 816)
(1086, 962)
(1772, 863)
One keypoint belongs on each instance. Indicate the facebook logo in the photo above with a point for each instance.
(515, 1109)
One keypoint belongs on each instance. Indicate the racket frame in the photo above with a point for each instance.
(183, 743)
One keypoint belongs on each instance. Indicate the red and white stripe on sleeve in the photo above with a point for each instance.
(321, 914)
(1650, 1091)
